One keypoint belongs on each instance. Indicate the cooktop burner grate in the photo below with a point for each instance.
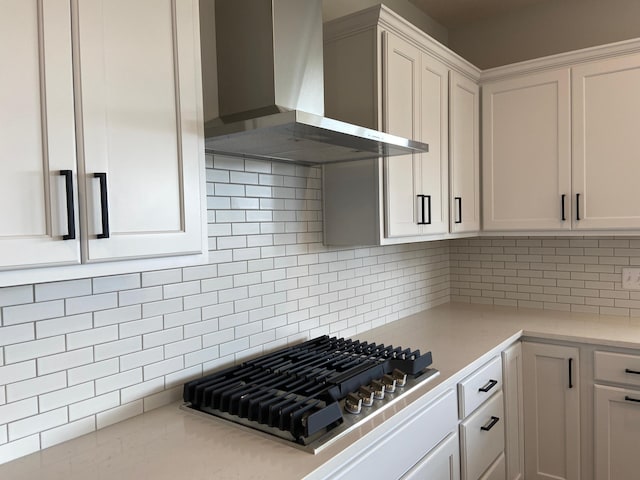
(298, 393)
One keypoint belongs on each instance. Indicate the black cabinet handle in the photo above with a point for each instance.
(104, 204)
(634, 372)
(71, 218)
(631, 399)
(490, 384)
(577, 206)
(422, 219)
(425, 210)
(571, 373)
(491, 424)
(459, 208)
(564, 217)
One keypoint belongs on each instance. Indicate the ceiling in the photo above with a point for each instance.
(455, 13)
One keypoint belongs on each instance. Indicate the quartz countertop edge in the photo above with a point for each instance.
(171, 443)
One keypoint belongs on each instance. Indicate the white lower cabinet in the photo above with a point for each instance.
(617, 433)
(616, 416)
(482, 438)
(551, 411)
(442, 463)
(496, 470)
(513, 411)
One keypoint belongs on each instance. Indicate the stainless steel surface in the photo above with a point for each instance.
(306, 138)
(271, 89)
(321, 441)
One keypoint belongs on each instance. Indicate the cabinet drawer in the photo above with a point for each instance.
(482, 438)
(405, 445)
(479, 386)
(617, 367)
(496, 471)
(443, 462)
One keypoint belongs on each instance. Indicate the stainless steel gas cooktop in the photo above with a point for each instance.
(311, 394)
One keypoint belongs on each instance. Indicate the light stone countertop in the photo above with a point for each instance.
(168, 443)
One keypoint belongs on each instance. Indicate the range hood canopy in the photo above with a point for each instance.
(271, 89)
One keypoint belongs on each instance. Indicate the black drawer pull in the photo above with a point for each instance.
(571, 373)
(634, 372)
(71, 218)
(491, 424)
(577, 206)
(564, 217)
(631, 399)
(490, 384)
(104, 204)
(459, 208)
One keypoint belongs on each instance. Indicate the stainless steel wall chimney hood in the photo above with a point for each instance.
(271, 89)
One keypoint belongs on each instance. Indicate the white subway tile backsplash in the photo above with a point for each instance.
(66, 396)
(151, 340)
(92, 371)
(182, 318)
(93, 405)
(91, 303)
(16, 295)
(140, 295)
(182, 347)
(153, 309)
(118, 381)
(32, 312)
(162, 368)
(117, 315)
(119, 414)
(181, 289)
(62, 325)
(66, 432)
(116, 283)
(161, 277)
(24, 446)
(4, 437)
(17, 410)
(140, 327)
(25, 351)
(58, 290)
(94, 336)
(200, 357)
(142, 390)
(138, 359)
(117, 348)
(200, 300)
(16, 334)
(64, 361)
(36, 386)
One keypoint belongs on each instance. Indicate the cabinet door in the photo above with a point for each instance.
(551, 412)
(513, 411)
(441, 463)
(464, 154)
(526, 162)
(606, 168)
(433, 175)
(37, 138)
(401, 97)
(139, 124)
(617, 429)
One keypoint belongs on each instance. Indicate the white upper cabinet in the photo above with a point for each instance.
(120, 89)
(415, 107)
(606, 165)
(464, 154)
(383, 73)
(526, 164)
(138, 127)
(37, 136)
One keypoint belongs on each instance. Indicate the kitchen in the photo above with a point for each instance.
(126, 340)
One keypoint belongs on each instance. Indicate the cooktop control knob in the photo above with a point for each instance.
(378, 389)
(353, 404)
(366, 395)
(400, 377)
(389, 383)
